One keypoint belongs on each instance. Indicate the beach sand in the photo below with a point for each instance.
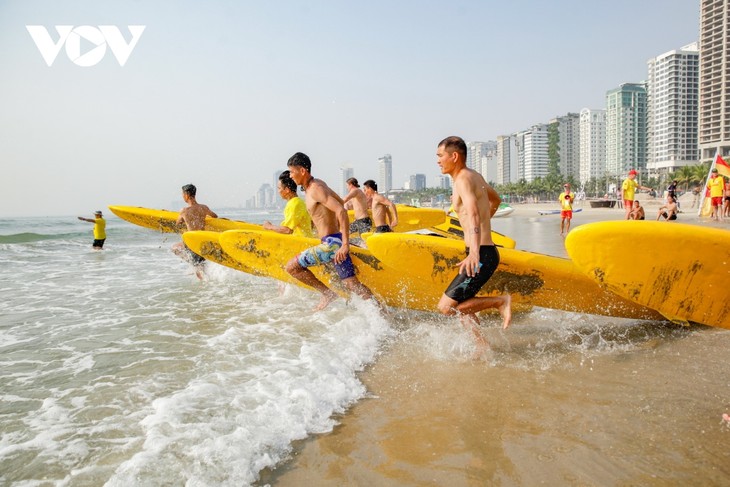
(566, 399)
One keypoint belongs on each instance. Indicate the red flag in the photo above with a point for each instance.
(722, 166)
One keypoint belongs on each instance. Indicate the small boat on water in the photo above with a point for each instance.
(503, 210)
(602, 203)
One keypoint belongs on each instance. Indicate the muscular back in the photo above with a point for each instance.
(359, 202)
(194, 216)
(475, 202)
(380, 210)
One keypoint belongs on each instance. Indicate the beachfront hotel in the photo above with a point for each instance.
(592, 144)
(567, 143)
(672, 89)
(385, 173)
(506, 159)
(626, 129)
(532, 153)
(714, 90)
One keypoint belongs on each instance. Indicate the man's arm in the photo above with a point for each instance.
(393, 212)
(471, 224)
(277, 228)
(494, 200)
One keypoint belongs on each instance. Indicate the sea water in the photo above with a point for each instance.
(121, 368)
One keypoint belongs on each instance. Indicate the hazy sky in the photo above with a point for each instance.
(222, 93)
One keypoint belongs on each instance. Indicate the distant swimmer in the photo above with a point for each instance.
(475, 202)
(385, 214)
(296, 218)
(99, 229)
(193, 217)
(359, 201)
(330, 218)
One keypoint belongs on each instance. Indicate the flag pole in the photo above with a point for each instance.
(704, 186)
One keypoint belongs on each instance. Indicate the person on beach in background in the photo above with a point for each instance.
(385, 214)
(296, 218)
(628, 189)
(637, 212)
(359, 201)
(193, 217)
(475, 202)
(672, 189)
(669, 210)
(99, 229)
(566, 199)
(330, 218)
(726, 199)
(716, 185)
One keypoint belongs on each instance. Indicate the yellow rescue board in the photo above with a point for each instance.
(205, 244)
(412, 217)
(531, 279)
(680, 270)
(268, 252)
(451, 228)
(166, 221)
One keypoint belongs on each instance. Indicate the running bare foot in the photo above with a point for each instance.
(327, 298)
(506, 311)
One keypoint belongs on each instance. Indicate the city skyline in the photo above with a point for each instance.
(222, 94)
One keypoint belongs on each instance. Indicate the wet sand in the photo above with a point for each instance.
(563, 399)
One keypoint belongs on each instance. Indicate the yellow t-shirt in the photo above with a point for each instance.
(297, 218)
(566, 203)
(716, 185)
(629, 187)
(99, 229)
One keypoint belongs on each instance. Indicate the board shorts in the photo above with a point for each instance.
(194, 258)
(628, 204)
(673, 217)
(98, 243)
(717, 201)
(383, 229)
(362, 225)
(566, 214)
(324, 253)
(464, 287)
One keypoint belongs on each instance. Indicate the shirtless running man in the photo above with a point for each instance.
(193, 217)
(356, 197)
(383, 209)
(475, 202)
(330, 217)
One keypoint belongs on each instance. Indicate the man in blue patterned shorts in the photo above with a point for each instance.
(330, 217)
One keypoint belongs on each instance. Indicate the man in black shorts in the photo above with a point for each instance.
(475, 202)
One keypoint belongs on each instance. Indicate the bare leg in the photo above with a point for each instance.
(567, 225)
(502, 303)
(306, 276)
(354, 285)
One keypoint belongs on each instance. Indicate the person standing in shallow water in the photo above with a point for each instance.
(475, 202)
(330, 218)
(99, 229)
(193, 217)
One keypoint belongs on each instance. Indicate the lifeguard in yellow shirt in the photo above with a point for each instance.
(716, 185)
(628, 189)
(99, 229)
(566, 199)
(296, 217)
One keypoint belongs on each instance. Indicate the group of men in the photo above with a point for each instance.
(324, 212)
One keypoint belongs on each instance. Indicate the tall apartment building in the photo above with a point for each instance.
(442, 181)
(714, 99)
(385, 173)
(626, 129)
(417, 182)
(264, 197)
(592, 144)
(672, 96)
(532, 152)
(474, 153)
(346, 172)
(567, 145)
(506, 160)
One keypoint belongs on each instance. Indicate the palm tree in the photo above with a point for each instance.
(684, 175)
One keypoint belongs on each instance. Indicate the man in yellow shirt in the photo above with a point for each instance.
(296, 217)
(99, 229)
(628, 189)
(716, 185)
(566, 199)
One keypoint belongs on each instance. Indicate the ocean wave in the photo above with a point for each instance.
(29, 237)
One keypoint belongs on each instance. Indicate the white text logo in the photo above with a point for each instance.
(98, 37)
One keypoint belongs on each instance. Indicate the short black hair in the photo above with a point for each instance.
(454, 144)
(287, 181)
(371, 184)
(190, 190)
(300, 159)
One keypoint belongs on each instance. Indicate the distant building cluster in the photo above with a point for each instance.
(678, 116)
